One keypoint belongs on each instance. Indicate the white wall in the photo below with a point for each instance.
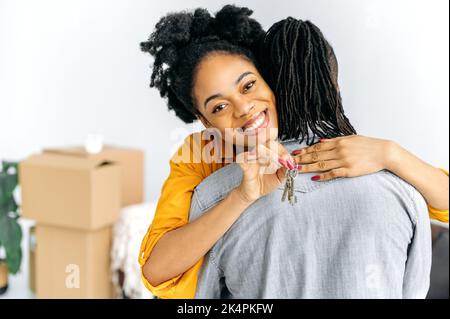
(72, 67)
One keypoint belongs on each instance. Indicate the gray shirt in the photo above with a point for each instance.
(363, 237)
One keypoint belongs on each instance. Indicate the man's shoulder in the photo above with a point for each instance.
(396, 184)
(217, 186)
(388, 189)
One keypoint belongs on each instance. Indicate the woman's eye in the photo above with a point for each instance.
(219, 108)
(249, 86)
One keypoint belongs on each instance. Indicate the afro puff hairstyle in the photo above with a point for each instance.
(181, 40)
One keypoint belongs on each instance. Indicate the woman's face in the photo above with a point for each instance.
(232, 97)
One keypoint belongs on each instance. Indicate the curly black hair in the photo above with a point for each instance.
(302, 70)
(181, 40)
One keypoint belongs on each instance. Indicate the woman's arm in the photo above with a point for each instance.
(357, 155)
(173, 254)
(180, 249)
(431, 182)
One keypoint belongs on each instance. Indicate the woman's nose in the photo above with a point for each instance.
(243, 109)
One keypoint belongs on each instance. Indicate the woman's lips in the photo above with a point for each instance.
(263, 125)
(253, 119)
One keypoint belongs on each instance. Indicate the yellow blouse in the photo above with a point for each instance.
(173, 208)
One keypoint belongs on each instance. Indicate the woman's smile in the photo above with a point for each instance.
(249, 111)
(258, 122)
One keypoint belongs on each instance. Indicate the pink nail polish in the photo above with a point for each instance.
(291, 165)
(299, 167)
(296, 152)
(315, 178)
(282, 161)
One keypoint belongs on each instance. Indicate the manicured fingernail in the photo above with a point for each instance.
(290, 165)
(282, 162)
(296, 152)
(299, 167)
(315, 178)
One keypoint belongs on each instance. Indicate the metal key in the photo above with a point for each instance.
(292, 175)
(289, 187)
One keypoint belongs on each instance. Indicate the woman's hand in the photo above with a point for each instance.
(357, 155)
(264, 169)
(346, 156)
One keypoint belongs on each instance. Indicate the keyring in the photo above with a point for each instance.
(293, 173)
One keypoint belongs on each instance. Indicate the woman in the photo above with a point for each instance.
(207, 69)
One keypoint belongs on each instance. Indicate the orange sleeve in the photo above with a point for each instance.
(172, 211)
(440, 215)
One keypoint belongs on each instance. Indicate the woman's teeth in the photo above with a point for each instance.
(257, 123)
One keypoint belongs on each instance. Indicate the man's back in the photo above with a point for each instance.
(365, 237)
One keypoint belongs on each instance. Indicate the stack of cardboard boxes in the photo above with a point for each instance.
(75, 198)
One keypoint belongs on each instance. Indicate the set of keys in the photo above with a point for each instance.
(288, 192)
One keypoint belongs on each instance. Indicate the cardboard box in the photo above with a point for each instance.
(69, 187)
(70, 191)
(131, 163)
(75, 198)
(73, 263)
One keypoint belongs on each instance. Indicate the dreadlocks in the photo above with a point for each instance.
(301, 68)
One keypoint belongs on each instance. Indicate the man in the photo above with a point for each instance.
(364, 237)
